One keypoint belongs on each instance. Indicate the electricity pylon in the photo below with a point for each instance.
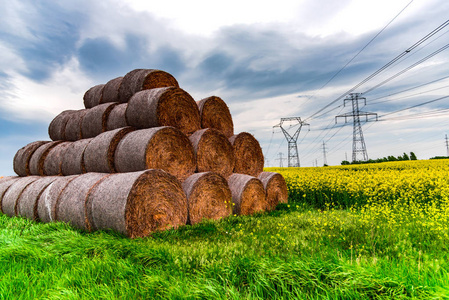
(358, 142)
(281, 160)
(293, 157)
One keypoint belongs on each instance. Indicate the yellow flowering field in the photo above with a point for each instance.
(408, 196)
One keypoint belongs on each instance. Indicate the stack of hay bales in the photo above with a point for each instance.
(142, 156)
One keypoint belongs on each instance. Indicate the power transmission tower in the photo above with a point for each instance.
(358, 142)
(447, 147)
(293, 157)
(324, 154)
(281, 159)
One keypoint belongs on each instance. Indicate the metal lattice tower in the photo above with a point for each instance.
(293, 156)
(358, 142)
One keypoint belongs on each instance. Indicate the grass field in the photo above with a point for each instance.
(350, 232)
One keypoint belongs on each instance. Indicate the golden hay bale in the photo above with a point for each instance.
(137, 203)
(92, 97)
(12, 194)
(72, 130)
(110, 90)
(116, 118)
(46, 203)
(143, 79)
(5, 183)
(248, 154)
(95, 120)
(73, 159)
(275, 188)
(208, 197)
(248, 194)
(170, 106)
(27, 202)
(99, 153)
(38, 158)
(164, 148)
(215, 114)
(53, 161)
(21, 162)
(213, 152)
(70, 206)
(56, 129)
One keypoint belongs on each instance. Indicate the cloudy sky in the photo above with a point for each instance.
(266, 59)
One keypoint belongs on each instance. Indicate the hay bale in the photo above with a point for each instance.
(142, 79)
(73, 159)
(38, 158)
(170, 106)
(21, 162)
(164, 148)
(93, 96)
(213, 152)
(116, 118)
(137, 203)
(248, 154)
(27, 202)
(248, 194)
(5, 183)
(56, 129)
(214, 113)
(99, 153)
(46, 204)
(275, 188)
(208, 197)
(70, 206)
(53, 161)
(95, 120)
(12, 194)
(72, 130)
(110, 90)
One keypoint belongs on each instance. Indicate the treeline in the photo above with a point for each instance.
(404, 156)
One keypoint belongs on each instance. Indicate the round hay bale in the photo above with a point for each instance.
(116, 118)
(248, 194)
(164, 148)
(137, 203)
(275, 188)
(27, 202)
(214, 113)
(38, 158)
(95, 120)
(110, 90)
(21, 162)
(170, 106)
(56, 130)
(93, 96)
(70, 206)
(46, 203)
(143, 79)
(248, 154)
(213, 152)
(73, 159)
(99, 153)
(12, 194)
(5, 183)
(72, 130)
(53, 161)
(208, 197)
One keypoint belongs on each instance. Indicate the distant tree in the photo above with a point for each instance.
(345, 162)
(413, 156)
(405, 157)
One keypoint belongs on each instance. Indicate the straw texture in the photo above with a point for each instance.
(275, 188)
(208, 197)
(170, 106)
(21, 162)
(248, 194)
(214, 113)
(248, 154)
(56, 129)
(95, 120)
(93, 96)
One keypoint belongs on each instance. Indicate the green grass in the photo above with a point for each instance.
(295, 252)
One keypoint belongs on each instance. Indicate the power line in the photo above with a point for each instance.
(358, 53)
(394, 60)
